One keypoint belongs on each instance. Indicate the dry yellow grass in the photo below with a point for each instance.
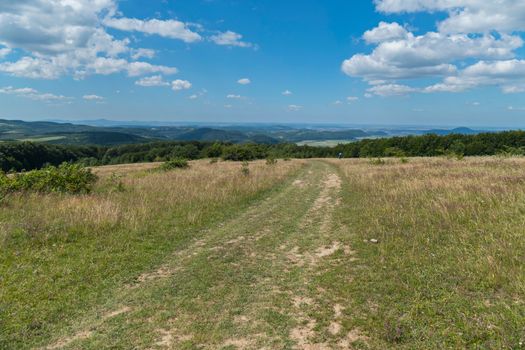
(427, 254)
(69, 250)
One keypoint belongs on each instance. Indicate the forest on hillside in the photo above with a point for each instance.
(19, 156)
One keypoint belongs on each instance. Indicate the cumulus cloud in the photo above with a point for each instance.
(475, 45)
(140, 53)
(232, 96)
(385, 32)
(166, 28)
(155, 80)
(230, 38)
(178, 85)
(391, 90)
(431, 54)
(508, 74)
(59, 38)
(70, 37)
(93, 98)
(465, 16)
(32, 94)
(244, 81)
(351, 99)
(287, 93)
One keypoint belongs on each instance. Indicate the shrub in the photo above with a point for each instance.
(377, 161)
(271, 161)
(508, 151)
(394, 152)
(66, 178)
(178, 163)
(214, 160)
(245, 168)
(115, 183)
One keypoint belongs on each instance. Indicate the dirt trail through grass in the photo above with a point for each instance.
(253, 282)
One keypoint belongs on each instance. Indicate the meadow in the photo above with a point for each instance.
(418, 253)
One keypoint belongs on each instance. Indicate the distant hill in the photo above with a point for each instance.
(209, 134)
(462, 131)
(102, 138)
(117, 133)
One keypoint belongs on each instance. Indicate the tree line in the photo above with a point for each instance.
(18, 156)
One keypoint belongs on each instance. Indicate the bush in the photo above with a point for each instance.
(66, 178)
(173, 164)
(245, 169)
(271, 161)
(511, 152)
(377, 161)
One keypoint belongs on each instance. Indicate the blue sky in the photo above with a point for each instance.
(422, 62)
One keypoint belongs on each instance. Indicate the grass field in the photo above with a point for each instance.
(326, 143)
(317, 254)
(43, 139)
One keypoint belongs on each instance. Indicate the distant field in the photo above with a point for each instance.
(43, 139)
(316, 254)
(327, 143)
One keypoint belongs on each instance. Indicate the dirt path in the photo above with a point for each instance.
(250, 283)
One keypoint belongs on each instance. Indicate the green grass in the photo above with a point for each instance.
(278, 258)
(448, 270)
(325, 143)
(64, 255)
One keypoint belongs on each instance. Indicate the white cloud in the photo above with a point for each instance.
(481, 35)
(228, 106)
(294, 108)
(391, 90)
(178, 85)
(351, 99)
(466, 16)
(140, 53)
(287, 93)
(232, 96)
(198, 94)
(68, 37)
(431, 54)
(508, 74)
(105, 66)
(155, 80)
(33, 94)
(93, 98)
(338, 102)
(244, 81)
(172, 29)
(35, 68)
(385, 32)
(230, 38)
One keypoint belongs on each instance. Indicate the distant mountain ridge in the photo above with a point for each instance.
(140, 132)
(461, 130)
